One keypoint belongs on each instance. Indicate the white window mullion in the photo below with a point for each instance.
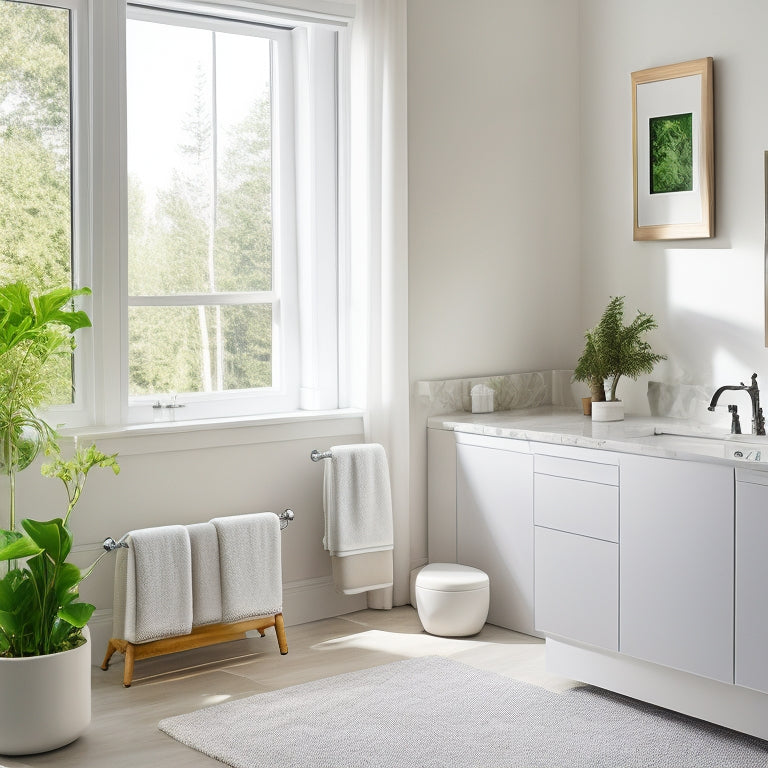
(81, 411)
(285, 331)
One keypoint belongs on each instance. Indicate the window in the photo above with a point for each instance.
(182, 158)
(39, 231)
(212, 295)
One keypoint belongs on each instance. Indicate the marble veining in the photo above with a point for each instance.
(511, 391)
(520, 391)
(680, 401)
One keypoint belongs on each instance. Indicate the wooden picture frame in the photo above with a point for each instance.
(765, 249)
(673, 157)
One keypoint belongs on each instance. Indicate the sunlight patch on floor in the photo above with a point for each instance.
(401, 644)
(215, 698)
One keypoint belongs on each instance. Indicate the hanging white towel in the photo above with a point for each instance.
(161, 592)
(206, 580)
(357, 500)
(251, 577)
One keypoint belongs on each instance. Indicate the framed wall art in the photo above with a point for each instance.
(765, 250)
(673, 151)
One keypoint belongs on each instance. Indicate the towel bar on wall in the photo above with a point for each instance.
(285, 517)
(319, 456)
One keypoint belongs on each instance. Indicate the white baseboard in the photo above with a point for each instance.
(315, 599)
(303, 601)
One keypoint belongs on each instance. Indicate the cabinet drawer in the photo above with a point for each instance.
(577, 588)
(575, 506)
(577, 470)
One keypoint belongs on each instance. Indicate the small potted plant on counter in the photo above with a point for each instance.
(45, 659)
(612, 350)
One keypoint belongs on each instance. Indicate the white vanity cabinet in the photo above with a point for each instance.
(751, 624)
(677, 564)
(576, 515)
(648, 564)
(494, 522)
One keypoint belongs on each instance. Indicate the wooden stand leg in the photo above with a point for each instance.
(282, 641)
(128, 671)
(111, 648)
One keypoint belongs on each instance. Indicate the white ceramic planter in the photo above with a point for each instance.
(608, 410)
(45, 701)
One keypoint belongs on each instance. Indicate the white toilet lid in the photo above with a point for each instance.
(451, 577)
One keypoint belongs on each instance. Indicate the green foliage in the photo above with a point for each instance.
(671, 153)
(613, 350)
(590, 367)
(35, 167)
(39, 608)
(187, 242)
(36, 330)
(73, 473)
(35, 210)
(39, 612)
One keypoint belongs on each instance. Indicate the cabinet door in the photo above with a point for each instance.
(751, 586)
(577, 588)
(494, 511)
(676, 564)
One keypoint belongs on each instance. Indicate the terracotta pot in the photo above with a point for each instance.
(45, 701)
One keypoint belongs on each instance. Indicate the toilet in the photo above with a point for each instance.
(451, 599)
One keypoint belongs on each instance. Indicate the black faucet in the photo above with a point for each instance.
(758, 421)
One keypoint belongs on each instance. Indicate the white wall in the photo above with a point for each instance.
(707, 295)
(494, 277)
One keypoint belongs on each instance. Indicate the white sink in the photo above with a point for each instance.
(740, 447)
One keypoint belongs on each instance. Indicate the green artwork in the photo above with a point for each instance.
(671, 153)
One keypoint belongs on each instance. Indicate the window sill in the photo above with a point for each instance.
(166, 436)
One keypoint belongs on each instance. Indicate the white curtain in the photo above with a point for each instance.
(378, 279)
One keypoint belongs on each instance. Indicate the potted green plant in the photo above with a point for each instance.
(44, 656)
(612, 350)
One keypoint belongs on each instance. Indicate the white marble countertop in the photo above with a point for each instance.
(646, 435)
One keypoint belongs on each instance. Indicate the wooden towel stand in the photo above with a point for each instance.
(208, 634)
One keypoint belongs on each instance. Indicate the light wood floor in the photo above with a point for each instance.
(124, 731)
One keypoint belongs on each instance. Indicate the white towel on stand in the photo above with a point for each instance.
(206, 578)
(162, 565)
(357, 500)
(251, 576)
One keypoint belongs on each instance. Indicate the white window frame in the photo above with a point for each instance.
(80, 411)
(99, 192)
(282, 396)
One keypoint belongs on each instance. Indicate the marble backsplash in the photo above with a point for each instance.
(511, 391)
(680, 401)
(514, 391)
